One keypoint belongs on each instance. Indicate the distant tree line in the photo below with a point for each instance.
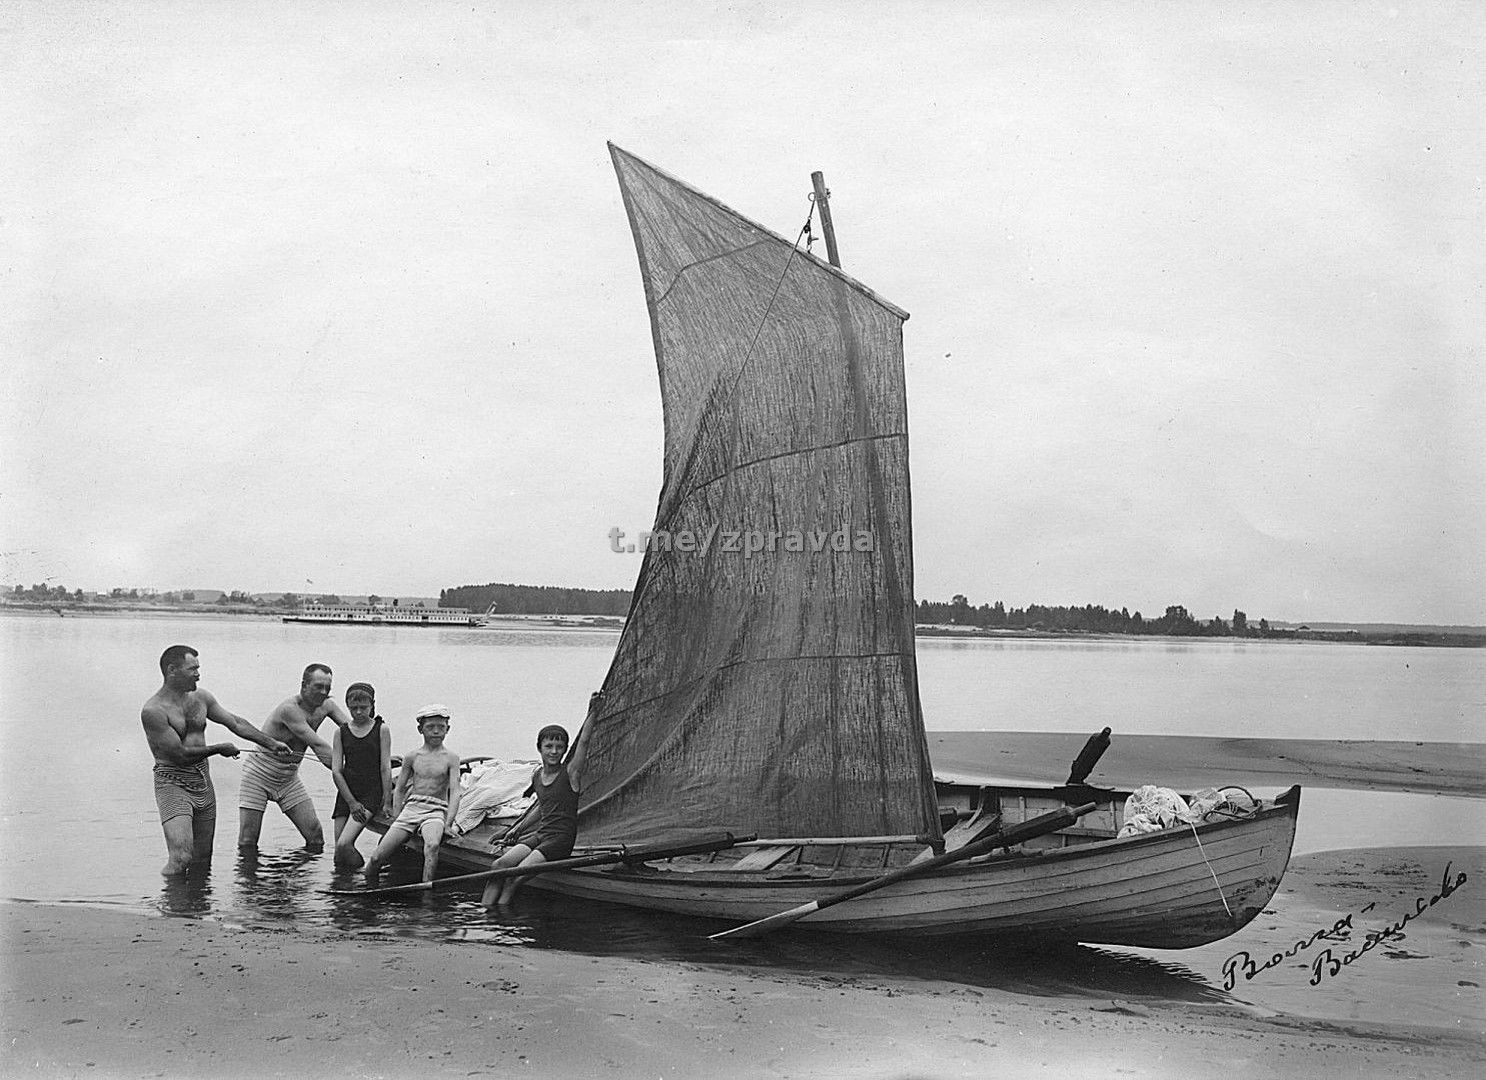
(1091, 618)
(56, 594)
(536, 599)
(45, 593)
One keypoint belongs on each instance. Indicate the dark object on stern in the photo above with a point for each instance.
(1088, 757)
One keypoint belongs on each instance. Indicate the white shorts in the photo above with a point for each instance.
(266, 779)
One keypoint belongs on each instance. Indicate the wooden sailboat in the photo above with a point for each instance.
(765, 682)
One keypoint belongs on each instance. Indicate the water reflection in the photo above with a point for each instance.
(280, 886)
(593, 928)
(187, 895)
(269, 889)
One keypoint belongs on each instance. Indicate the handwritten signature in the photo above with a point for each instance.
(1327, 963)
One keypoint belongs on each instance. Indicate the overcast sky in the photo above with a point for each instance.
(342, 297)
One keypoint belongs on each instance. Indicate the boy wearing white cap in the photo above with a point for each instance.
(427, 795)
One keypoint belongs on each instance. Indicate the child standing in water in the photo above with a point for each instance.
(427, 795)
(548, 829)
(361, 766)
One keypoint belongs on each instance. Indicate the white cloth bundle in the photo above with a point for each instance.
(1150, 808)
(493, 789)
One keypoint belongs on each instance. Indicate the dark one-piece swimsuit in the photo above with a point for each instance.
(362, 767)
(558, 825)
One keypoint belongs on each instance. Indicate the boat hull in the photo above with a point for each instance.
(1176, 888)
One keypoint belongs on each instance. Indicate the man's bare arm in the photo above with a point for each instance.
(338, 716)
(165, 742)
(240, 727)
(338, 770)
(290, 717)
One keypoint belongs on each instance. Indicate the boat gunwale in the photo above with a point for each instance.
(982, 864)
(1276, 811)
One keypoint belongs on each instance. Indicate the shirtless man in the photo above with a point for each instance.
(175, 724)
(427, 798)
(296, 721)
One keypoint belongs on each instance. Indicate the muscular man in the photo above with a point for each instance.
(175, 724)
(296, 721)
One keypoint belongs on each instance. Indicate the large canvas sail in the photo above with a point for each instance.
(765, 681)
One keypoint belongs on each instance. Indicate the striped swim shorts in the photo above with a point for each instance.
(184, 791)
(266, 779)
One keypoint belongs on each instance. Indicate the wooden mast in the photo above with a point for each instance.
(823, 200)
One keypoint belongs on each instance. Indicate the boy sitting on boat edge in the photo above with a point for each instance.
(548, 829)
(427, 797)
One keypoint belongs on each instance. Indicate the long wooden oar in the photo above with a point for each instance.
(637, 854)
(1032, 827)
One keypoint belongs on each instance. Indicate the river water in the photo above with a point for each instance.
(78, 822)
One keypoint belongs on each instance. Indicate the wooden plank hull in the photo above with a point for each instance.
(1172, 889)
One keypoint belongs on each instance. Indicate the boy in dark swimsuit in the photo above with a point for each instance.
(547, 830)
(361, 766)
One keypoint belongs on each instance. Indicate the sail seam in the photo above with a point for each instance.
(686, 686)
(791, 453)
(722, 378)
(680, 273)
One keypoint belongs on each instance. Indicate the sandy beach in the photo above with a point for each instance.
(100, 993)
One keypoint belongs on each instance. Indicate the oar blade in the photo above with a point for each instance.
(768, 925)
(383, 890)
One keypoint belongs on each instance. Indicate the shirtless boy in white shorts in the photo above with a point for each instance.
(427, 797)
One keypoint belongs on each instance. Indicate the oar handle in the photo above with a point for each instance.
(1027, 830)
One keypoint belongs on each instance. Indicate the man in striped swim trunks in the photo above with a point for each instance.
(174, 722)
(297, 722)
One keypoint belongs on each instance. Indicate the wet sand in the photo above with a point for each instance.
(1427, 970)
(99, 993)
(1190, 762)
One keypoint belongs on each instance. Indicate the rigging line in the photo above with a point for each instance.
(1210, 869)
(759, 329)
(269, 753)
(737, 375)
(681, 272)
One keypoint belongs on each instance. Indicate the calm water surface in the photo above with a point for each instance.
(78, 820)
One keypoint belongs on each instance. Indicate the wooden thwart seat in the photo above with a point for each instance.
(760, 858)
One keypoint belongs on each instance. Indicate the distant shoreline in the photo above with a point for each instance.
(1452, 639)
(1429, 637)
